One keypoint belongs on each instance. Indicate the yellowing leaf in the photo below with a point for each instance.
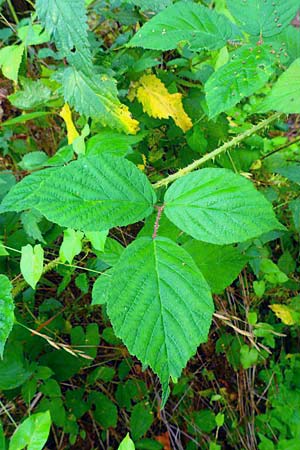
(284, 313)
(159, 103)
(66, 115)
(130, 125)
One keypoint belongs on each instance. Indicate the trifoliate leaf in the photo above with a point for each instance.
(31, 264)
(219, 206)
(6, 311)
(97, 97)
(159, 103)
(201, 27)
(163, 311)
(66, 115)
(88, 194)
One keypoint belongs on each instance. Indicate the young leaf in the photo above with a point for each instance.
(10, 61)
(71, 245)
(6, 311)
(218, 206)
(97, 239)
(66, 22)
(163, 311)
(284, 96)
(159, 103)
(32, 433)
(247, 71)
(126, 444)
(31, 264)
(201, 27)
(103, 191)
(96, 96)
(263, 17)
(219, 264)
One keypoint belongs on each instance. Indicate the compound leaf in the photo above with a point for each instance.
(96, 96)
(219, 206)
(66, 22)
(163, 311)
(89, 194)
(201, 27)
(263, 17)
(247, 71)
(284, 96)
(219, 264)
(6, 311)
(159, 103)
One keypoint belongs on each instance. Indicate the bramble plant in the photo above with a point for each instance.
(183, 76)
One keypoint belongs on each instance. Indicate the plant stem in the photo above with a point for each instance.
(199, 162)
(22, 284)
(13, 11)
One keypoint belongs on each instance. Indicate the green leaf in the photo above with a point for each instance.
(33, 95)
(13, 369)
(101, 288)
(31, 264)
(33, 160)
(219, 264)
(71, 245)
(33, 35)
(24, 118)
(32, 433)
(294, 207)
(89, 194)
(66, 22)
(3, 251)
(263, 17)
(284, 96)
(290, 171)
(219, 207)
(163, 311)
(106, 413)
(96, 96)
(112, 142)
(10, 61)
(201, 27)
(126, 444)
(6, 311)
(248, 70)
(249, 356)
(97, 239)
(140, 420)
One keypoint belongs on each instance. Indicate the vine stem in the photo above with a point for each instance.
(13, 11)
(199, 162)
(22, 284)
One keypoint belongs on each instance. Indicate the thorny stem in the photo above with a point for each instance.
(199, 162)
(156, 225)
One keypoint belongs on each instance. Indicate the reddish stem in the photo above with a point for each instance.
(156, 225)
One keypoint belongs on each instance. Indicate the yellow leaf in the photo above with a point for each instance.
(66, 114)
(131, 125)
(284, 313)
(159, 103)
